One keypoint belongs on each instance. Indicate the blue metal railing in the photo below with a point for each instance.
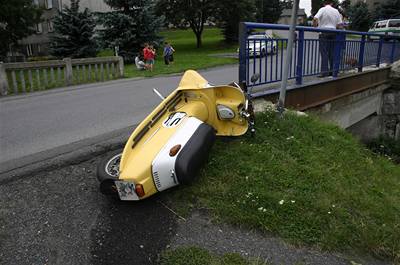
(328, 53)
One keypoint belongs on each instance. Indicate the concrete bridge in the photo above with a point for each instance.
(355, 90)
(366, 103)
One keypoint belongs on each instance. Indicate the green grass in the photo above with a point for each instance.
(186, 55)
(198, 256)
(308, 182)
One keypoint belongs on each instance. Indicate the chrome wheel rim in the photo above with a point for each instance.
(112, 166)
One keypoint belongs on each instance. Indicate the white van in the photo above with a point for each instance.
(390, 28)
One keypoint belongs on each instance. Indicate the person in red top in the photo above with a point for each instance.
(149, 54)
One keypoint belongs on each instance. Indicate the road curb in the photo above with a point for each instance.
(69, 154)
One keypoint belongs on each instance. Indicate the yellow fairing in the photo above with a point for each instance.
(196, 98)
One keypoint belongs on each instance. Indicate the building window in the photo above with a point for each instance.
(39, 28)
(49, 4)
(29, 49)
(50, 25)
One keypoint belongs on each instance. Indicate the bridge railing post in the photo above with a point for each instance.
(361, 54)
(393, 51)
(3, 80)
(379, 55)
(242, 52)
(300, 53)
(337, 55)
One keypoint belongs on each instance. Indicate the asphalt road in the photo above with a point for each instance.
(42, 125)
(37, 122)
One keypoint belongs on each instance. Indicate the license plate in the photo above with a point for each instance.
(126, 191)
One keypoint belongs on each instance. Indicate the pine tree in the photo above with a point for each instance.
(389, 9)
(17, 20)
(360, 17)
(73, 33)
(132, 24)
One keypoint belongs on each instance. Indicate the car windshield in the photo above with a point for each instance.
(394, 23)
(381, 24)
(259, 36)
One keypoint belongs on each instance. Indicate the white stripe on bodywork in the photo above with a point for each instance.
(163, 166)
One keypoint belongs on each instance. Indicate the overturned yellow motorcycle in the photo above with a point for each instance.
(169, 146)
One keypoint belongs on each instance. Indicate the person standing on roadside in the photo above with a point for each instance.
(168, 54)
(327, 17)
(146, 55)
(151, 57)
(149, 54)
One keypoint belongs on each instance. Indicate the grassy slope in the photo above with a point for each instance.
(308, 182)
(187, 56)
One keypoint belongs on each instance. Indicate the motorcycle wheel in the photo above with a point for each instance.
(108, 171)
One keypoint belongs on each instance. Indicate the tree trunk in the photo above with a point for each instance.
(198, 39)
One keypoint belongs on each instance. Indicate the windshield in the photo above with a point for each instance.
(394, 23)
(259, 36)
(381, 24)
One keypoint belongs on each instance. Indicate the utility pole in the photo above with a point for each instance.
(289, 51)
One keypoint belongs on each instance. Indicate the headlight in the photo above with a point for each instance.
(225, 113)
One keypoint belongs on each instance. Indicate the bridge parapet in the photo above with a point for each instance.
(316, 52)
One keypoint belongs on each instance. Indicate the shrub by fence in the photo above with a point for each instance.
(18, 78)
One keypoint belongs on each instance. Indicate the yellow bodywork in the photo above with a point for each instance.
(196, 98)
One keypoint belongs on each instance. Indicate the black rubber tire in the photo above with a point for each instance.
(107, 184)
(263, 53)
(101, 172)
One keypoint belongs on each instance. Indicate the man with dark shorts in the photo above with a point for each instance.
(168, 53)
(327, 17)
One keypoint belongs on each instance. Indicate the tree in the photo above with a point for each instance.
(73, 33)
(286, 4)
(230, 13)
(17, 20)
(132, 23)
(389, 9)
(360, 17)
(317, 4)
(188, 12)
(269, 11)
(345, 7)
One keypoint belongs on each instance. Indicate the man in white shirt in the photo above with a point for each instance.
(327, 17)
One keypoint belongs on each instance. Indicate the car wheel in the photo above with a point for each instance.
(108, 172)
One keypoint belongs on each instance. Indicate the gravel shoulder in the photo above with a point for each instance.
(59, 217)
